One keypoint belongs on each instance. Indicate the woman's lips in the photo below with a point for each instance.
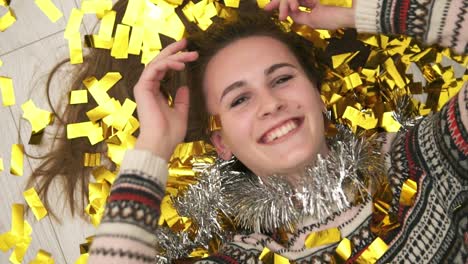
(282, 131)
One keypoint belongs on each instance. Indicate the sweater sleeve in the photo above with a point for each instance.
(127, 231)
(444, 22)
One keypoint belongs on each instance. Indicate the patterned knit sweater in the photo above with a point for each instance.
(434, 154)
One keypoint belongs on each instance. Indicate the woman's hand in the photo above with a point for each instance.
(162, 127)
(320, 16)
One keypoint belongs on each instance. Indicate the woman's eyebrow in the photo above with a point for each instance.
(231, 87)
(267, 72)
(276, 66)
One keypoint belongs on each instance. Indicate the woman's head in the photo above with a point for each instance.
(263, 84)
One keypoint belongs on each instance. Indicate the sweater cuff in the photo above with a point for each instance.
(147, 163)
(366, 16)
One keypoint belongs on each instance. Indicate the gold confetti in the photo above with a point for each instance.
(37, 117)
(82, 259)
(98, 193)
(3, 3)
(17, 156)
(98, 7)
(35, 203)
(2, 168)
(101, 174)
(120, 47)
(74, 23)
(375, 250)
(344, 249)
(42, 257)
(408, 191)
(8, 93)
(75, 48)
(389, 123)
(92, 159)
(85, 129)
(133, 12)
(338, 60)
(7, 20)
(341, 3)
(268, 256)
(107, 26)
(324, 237)
(49, 9)
(19, 236)
(96, 41)
(136, 40)
(79, 97)
(262, 3)
(232, 3)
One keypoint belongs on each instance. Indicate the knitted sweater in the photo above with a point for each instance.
(433, 154)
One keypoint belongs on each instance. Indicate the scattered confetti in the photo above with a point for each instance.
(7, 91)
(38, 118)
(17, 156)
(42, 257)
(35, 203)
(19, 236)
(49, 9)
(7, 20)
(79, 97)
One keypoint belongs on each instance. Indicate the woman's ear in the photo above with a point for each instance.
(223, 151)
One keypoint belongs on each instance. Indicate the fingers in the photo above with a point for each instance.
(181, 101)
(156, 70)
(283, 9)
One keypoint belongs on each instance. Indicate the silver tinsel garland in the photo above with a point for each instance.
(353, 167)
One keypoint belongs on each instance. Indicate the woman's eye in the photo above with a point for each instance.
(282, 79)
(238, 101)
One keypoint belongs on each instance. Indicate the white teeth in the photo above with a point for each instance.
(280, 131)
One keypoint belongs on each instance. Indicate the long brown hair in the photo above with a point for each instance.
(65, 162)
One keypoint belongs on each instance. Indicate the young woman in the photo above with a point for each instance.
(262, 85)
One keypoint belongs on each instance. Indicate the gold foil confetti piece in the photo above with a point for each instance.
(344, 249)
(74, 23)
(95, 41)
(133, 12)
(7, 241)
(122, 116)
(98, 193)
(214, 123)
(232, 3)
(116, 152)
(42, 257)
(79, 97)
(49, 9)
(103, 110)
(324, 237)
(109, 80)
(17, 220)
(17, 156)
(199, 253)
(8, 93)
(389, 123)
(120, 47)
(352, 81)
(75, 48)
(35, 203)
(91, 159)
(358, 118)
(268, 256)
(373, 253)
(148, 56)
(98, 7)
(3, 3)
(393, 72)
(408, 191)
(38, 118)
(107, 25)
(85, 129)
(338, 60)
(188, 11)
(99, 95)
(1, 63)
(262, 3)
(2, 168)
(136, 40)
(341, 3)
(82, 259)
(102, 174)
(7, 20)
(174, 27)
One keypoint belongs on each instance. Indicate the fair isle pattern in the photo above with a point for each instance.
(431, 21)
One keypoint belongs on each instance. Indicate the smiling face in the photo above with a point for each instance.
(269, 110)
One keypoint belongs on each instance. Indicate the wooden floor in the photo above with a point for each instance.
(29, 49)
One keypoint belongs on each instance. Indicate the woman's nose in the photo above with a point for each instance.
(270, 104)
